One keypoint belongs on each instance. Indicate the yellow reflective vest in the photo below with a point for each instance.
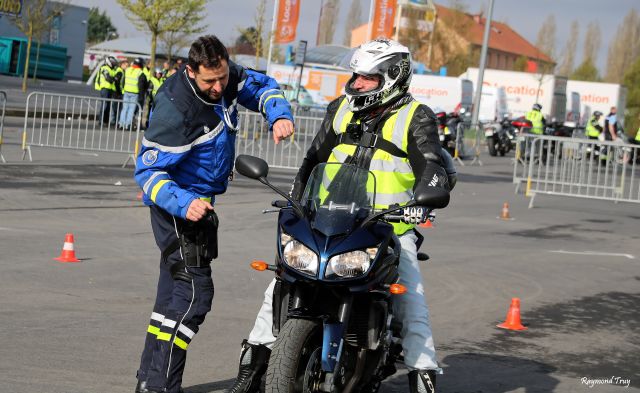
(638, 135)
(535, 117)
(591, 130)
(394, 178)
(131, 76)
(100, 82)
(155, 83)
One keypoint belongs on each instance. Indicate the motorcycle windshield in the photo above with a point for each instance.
(338, 197)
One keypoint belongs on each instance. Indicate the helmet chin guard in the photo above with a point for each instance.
(387, 59)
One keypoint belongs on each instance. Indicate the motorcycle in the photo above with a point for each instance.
(501, 137)
(447, 127)
(336, 272)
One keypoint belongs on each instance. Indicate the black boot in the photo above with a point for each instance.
(141, 387)
(253, 365)
(422, 381)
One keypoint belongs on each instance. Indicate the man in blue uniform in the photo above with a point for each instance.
(186, 158)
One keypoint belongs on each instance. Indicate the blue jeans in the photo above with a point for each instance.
(128, 109)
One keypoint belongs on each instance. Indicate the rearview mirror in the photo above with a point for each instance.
(252, 167)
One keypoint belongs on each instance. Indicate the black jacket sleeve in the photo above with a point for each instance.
(424, 150)
(320, 150)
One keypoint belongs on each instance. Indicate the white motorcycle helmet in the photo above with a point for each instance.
(387, 59)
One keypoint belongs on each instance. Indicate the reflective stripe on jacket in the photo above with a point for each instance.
(394, 176)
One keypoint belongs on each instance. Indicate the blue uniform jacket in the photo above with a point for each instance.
(189, 148)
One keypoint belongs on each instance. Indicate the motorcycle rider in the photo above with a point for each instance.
(593, 128)
(537, 119)
(379, 126)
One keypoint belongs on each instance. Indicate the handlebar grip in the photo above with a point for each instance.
(279, 203)
(394, 217)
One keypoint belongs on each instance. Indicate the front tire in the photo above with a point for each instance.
(295, 364)
(491, 144)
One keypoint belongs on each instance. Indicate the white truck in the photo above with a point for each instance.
(524, 89)
(601, 97)
(442, 93)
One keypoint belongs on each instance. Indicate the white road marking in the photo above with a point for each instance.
(607, 254)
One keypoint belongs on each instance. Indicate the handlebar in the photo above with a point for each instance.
(280, 204)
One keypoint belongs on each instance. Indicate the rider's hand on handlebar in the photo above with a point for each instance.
(415, 215)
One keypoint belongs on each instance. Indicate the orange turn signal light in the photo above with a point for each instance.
(397, 289)
(259, 265)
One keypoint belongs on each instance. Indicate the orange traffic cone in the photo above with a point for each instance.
(505, 212)
(68, 253)
(513, 317)
(426, 224)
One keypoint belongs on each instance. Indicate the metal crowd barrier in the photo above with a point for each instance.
(75, 122)
(255, 139)
(580, 168)
(3, 107)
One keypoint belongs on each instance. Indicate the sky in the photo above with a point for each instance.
(224, 17)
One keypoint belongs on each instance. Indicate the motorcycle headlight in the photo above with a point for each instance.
(300, 257)
(351, 264)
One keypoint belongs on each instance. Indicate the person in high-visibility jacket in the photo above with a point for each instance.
(537, 119)
(104, 83)
(593, 127)
(154, 85)
(118, 82)
(378, 126)
(135, 85)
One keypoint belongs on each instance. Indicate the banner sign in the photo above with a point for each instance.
(287, 22)
(383, 19)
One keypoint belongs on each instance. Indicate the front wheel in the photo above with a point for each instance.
(295, 362)
(491, 144)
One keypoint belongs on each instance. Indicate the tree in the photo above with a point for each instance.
(521, 63)
(328, 17)
(450, 41)
(587, 70)
(632, 81)
(173, 42)
(162, 16)
(35, 19)
(99, 26)
(255, 35)
(354, 19)
(592, 42)
(624, 48)
(570, 50)
(546, 40)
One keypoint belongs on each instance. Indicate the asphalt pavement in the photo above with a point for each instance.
(80, 327)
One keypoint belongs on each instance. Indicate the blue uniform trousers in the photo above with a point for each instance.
(179, 309)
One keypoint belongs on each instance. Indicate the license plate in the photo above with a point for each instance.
(488, 133)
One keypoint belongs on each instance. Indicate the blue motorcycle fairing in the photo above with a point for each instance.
(326, 247)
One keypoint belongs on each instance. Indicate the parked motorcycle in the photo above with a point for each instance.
(337, 270)
(447, 127)
(500, 136)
